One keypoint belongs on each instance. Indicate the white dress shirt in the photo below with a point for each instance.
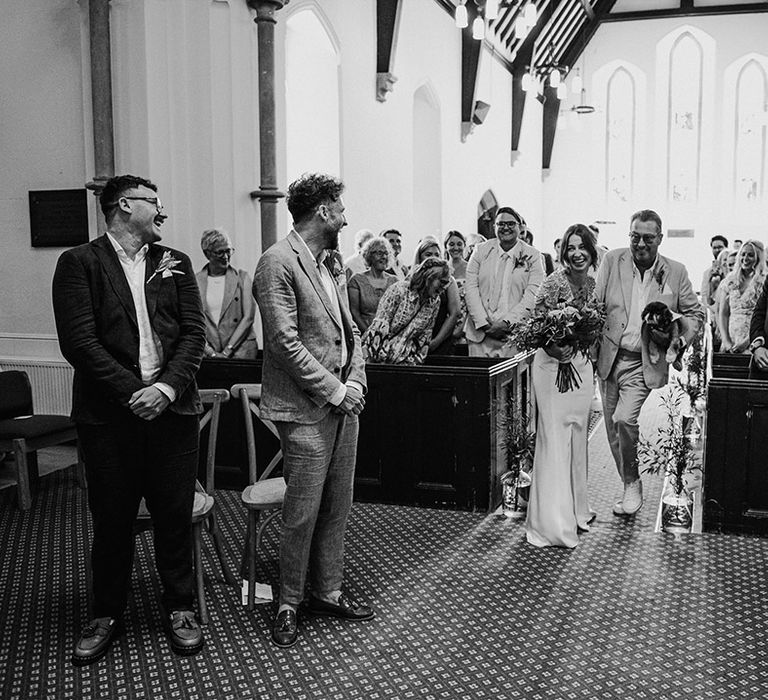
(150, 348)
(641, 286)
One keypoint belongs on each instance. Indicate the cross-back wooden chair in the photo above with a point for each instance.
(203, 511)
(263, 494)
(23, 432)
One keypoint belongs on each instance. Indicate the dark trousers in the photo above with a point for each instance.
(126, 459)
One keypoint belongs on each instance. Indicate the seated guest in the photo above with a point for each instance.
(355, 264)
(450, 303)
(227, 301)
(401, 332)
(741, 290)
(395, 239)
(366, 288)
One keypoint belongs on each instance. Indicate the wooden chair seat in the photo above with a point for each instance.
(265, 495)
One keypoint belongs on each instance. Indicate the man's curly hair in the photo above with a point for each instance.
(116, 187)
(311, 190)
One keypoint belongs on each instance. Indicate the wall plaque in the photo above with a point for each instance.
(58, 218)
(679, 233)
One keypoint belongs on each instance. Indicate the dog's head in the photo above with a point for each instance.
(657, 315)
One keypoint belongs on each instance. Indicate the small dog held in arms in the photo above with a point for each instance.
(662, 326)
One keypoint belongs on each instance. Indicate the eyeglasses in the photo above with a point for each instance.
(647, 238)
(226, 253)
(152, 200)
(507, 224)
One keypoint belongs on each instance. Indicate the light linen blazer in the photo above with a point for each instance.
(613, 287)
(302, 336)
(524, 284)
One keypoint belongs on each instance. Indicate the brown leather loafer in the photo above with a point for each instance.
(185, 633)
(285, 630)
(96, 638)
(345, 609)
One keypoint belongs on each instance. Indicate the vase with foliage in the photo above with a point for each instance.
(519, 442)
(673, 453)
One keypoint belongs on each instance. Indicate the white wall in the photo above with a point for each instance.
(575, 190)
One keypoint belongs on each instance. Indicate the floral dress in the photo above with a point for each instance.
(401, 332)
(558, 506)
(741, 304)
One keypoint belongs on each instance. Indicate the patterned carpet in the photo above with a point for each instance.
(466, 609)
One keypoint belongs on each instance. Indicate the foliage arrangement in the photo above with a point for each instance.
(672, 453)
(564, 325)
(518, 438)
(695, 382)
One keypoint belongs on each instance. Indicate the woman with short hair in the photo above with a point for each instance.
(365, 289)
(227, 301)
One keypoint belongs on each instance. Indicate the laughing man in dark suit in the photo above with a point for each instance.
(130, 321)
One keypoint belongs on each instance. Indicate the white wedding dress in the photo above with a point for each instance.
(559, 506)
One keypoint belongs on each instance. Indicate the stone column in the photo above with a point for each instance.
(101, 100)
(267, 194)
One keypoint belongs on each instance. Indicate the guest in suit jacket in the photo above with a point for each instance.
(758, 333)
(313, 384)
(503, 276)
(628, 279)
(129, 320)
(227, 301)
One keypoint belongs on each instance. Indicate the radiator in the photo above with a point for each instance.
(51, 383)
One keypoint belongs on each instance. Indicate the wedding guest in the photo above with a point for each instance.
(628, 279)
(366, 289)
(559, 506)
(313, 384)
(395, 239)
(130, 321)
(738, 298)
(450, 303)
(455, 248)
(758, 332)
(227, 301)
(401, 332)
(503, 276)
(717, 245)
(355, 264)
(709, 283)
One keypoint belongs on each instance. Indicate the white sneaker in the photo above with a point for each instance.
(618, 508)
(633, 497)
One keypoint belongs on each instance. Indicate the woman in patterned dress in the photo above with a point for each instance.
(739, 293)
(559, 504)
(402, 330)
(455, 246)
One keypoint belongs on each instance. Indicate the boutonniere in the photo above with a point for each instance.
(335, 265)
(524, 261)
(165, 267)
(659, 277)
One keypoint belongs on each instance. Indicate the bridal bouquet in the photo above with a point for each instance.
(563, 325)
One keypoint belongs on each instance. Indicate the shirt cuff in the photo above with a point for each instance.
(167, 390)
(757, 343)
(357, 386)
(338, 395)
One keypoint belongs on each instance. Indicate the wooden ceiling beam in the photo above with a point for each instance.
(687, 9)
(387, 16)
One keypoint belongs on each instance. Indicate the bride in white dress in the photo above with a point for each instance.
(558, 506)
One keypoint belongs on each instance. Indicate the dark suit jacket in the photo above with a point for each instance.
(99, 334)
(758, 327)
(302, 337)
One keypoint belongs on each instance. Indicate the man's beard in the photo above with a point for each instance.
(332, 239)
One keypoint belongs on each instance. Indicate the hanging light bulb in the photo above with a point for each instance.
(491, 9)
(554, 78)
(521, 28)
(576, 83)
(461, 16)
(562, 91)
(527, 82)
(531, 15)
(478, 28)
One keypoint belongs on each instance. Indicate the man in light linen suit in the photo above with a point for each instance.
(313, 384)
(503, 276)
(628, 279)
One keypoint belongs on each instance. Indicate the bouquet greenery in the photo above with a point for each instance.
(565, 325)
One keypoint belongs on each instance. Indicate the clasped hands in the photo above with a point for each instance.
(561, 353)
(498, 330)
(353, 403)
(148, 402)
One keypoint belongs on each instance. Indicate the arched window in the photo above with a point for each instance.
(313, 141)
(750, 124)
(620, 135)
(684, 119)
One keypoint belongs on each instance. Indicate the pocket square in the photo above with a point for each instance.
(666, 290)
